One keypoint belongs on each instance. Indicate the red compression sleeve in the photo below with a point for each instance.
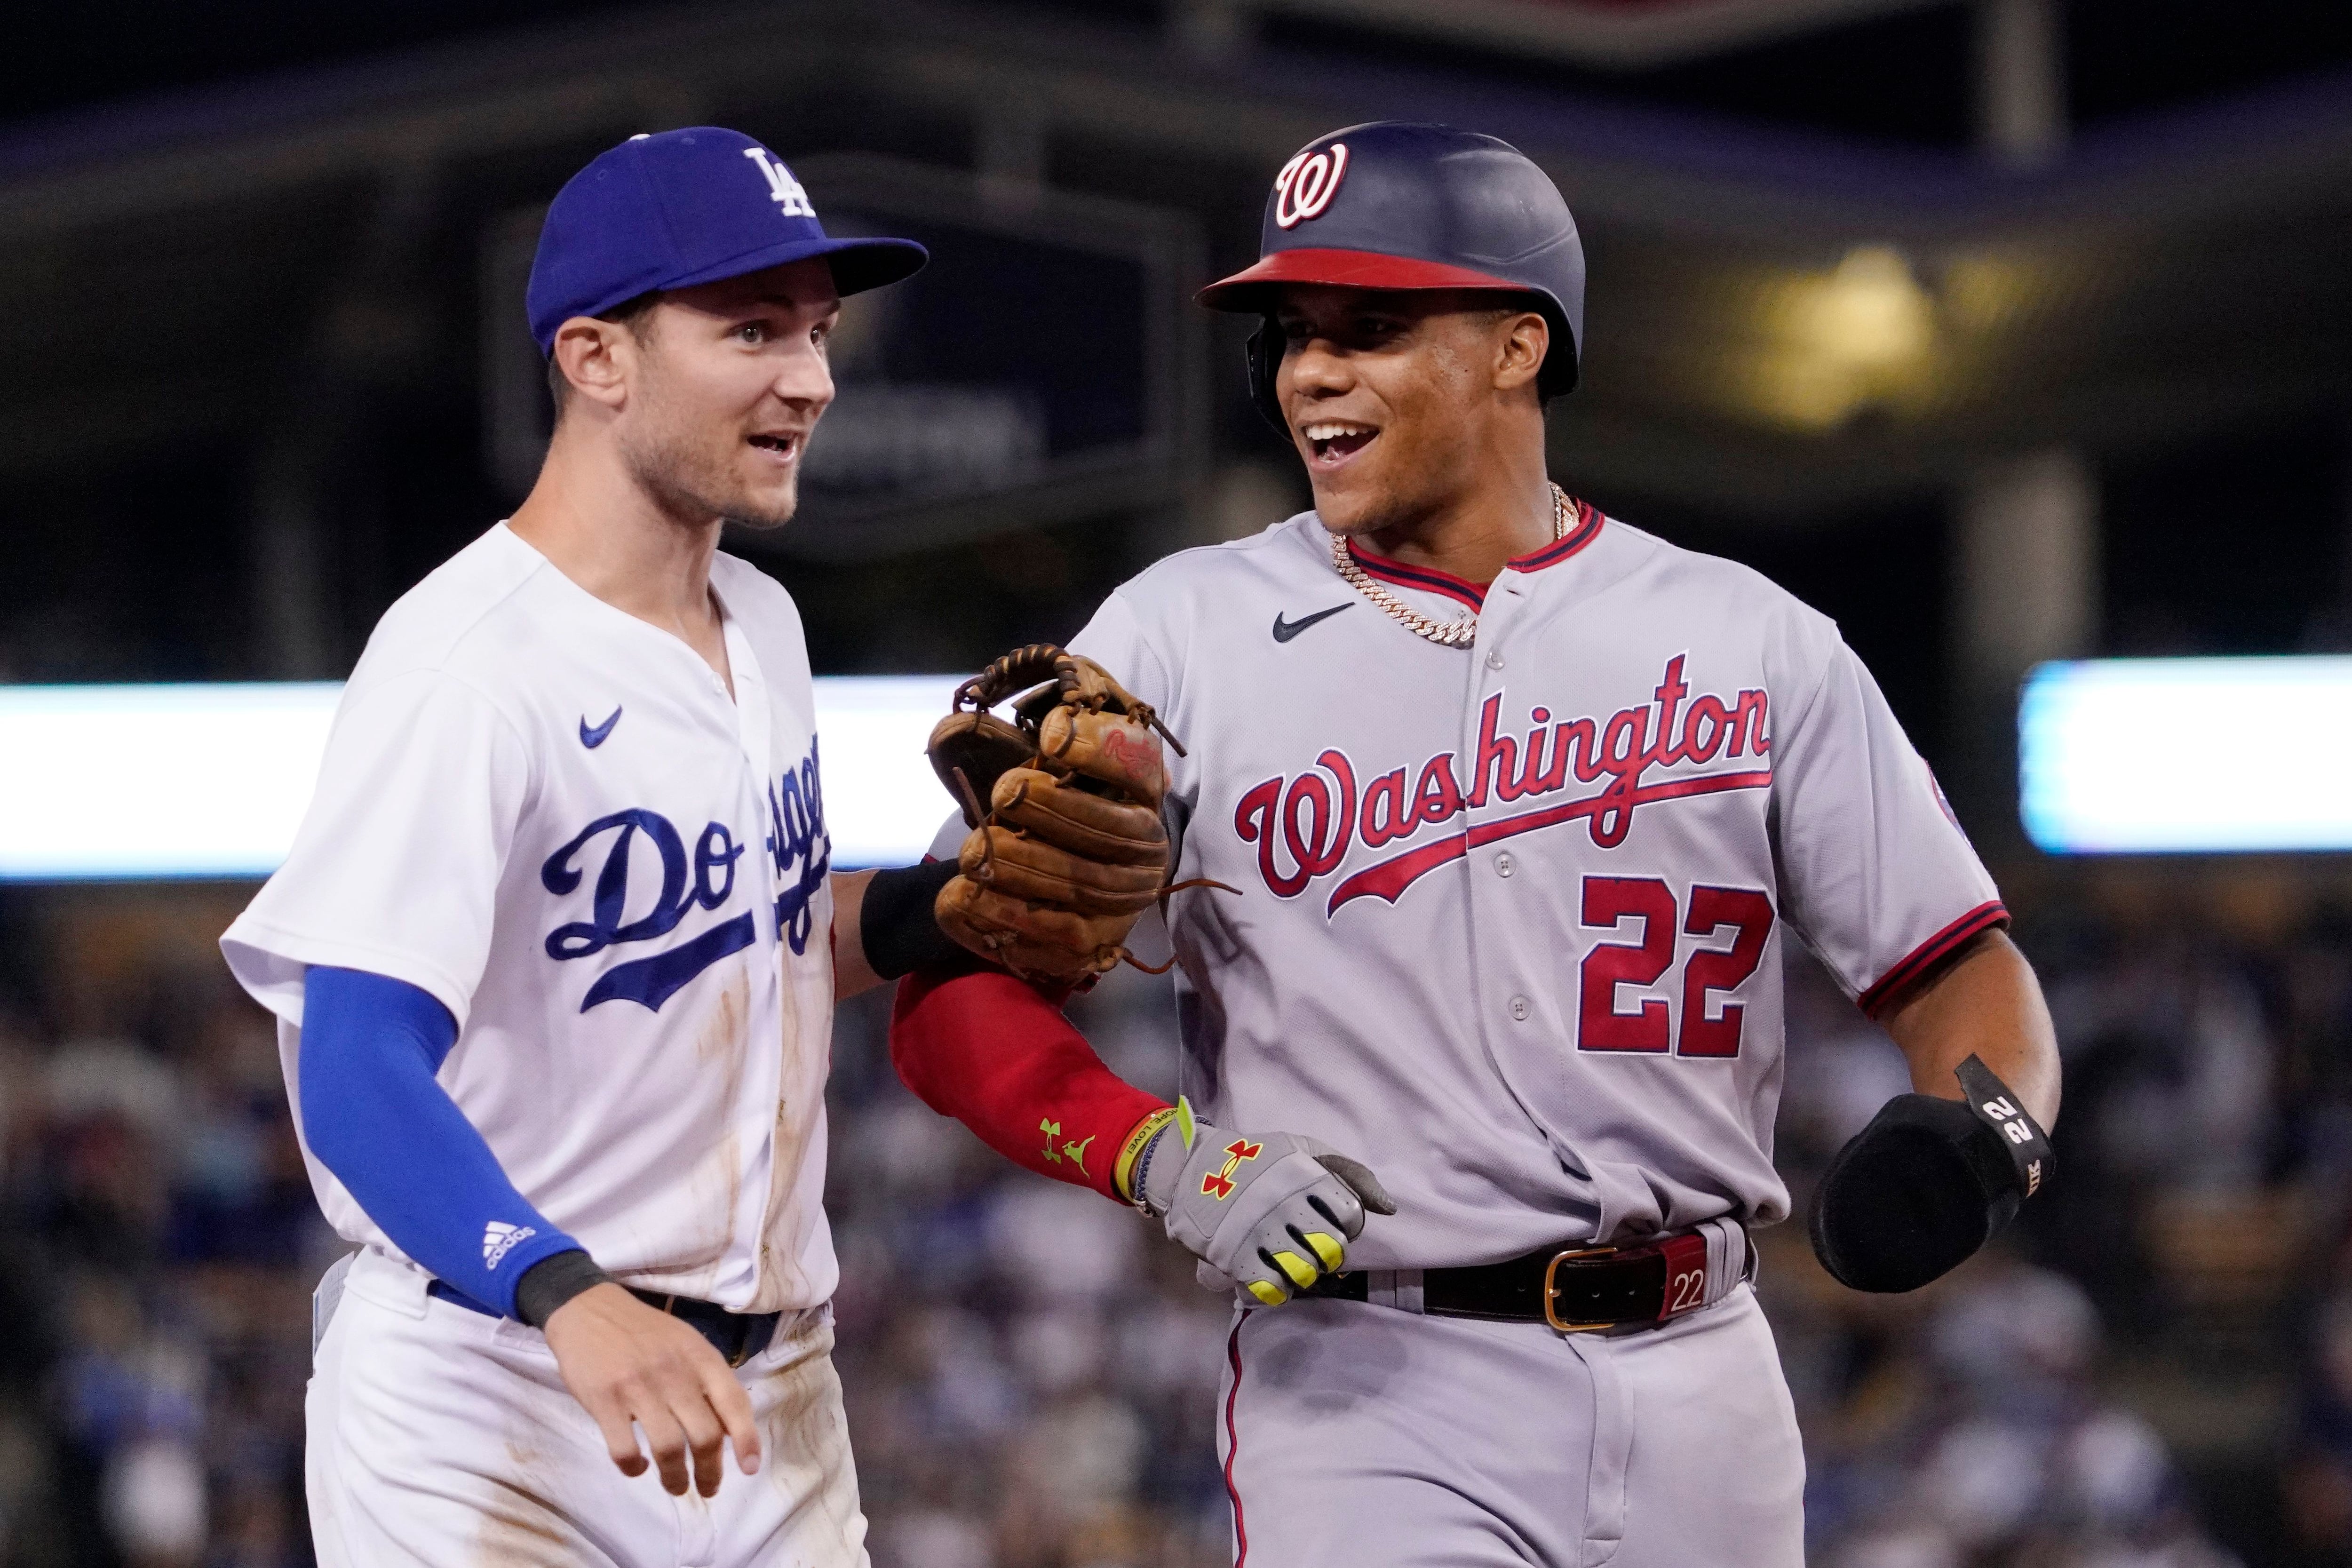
(997, 1056)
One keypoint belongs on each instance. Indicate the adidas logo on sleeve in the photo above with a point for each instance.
(499, 1238)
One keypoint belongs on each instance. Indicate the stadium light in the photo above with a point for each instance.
(2170, 755)
(210, 780)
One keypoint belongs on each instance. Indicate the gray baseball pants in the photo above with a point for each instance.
(1355, 1435)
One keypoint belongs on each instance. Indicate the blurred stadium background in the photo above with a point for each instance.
(2003, 331)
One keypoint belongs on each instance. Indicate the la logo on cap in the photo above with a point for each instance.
(785, 190)
(1306, 184)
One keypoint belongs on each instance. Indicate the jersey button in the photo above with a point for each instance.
(1504, 865)
(1519, 1008)
(1494, 660)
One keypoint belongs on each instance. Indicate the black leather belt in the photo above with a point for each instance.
(1574, 1288)
(737, 1336)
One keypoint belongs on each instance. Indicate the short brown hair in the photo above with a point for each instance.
(636, 314)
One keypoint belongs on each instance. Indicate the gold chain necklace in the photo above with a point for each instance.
(1456, 632)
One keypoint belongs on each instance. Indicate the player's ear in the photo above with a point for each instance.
(1521, 340)
(597, 357)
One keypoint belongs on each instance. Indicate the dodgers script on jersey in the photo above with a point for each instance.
(552, 817)
(1525, 901)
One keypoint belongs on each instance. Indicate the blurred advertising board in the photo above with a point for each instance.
(2172, 756)
(78, 800)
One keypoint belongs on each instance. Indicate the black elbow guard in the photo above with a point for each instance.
(1916, 1193)
(898, 928)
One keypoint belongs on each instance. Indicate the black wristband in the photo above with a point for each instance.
(553, 1280)
(2022, 1137)
(897, 928)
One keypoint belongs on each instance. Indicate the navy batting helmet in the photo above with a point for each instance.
(1397, 205)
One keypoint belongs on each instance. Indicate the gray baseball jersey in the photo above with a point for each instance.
(1512, 914)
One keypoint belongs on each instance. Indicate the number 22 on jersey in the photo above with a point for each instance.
(1659, 922)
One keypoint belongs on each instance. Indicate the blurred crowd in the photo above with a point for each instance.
(157, 1244)
(2154, 1370)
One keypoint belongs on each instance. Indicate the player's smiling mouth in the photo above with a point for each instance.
(1334, 441)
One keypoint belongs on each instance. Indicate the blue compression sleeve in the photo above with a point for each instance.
(374, 1115)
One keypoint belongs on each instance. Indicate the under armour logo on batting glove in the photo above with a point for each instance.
(1272, 1213)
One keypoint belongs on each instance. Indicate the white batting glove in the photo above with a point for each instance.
(1269, 1214)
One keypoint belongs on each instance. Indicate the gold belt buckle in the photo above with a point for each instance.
(1550, 1295)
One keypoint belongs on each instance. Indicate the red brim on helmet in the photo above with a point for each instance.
(1248, 290)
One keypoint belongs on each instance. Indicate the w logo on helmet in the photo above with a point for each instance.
(1306, 184)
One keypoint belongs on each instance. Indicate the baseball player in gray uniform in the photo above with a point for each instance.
(1523, 803)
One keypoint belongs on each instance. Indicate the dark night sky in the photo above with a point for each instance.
(2277, 582)
(1899, 78)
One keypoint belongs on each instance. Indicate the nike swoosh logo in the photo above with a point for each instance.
(1286, 630)
(591, 739)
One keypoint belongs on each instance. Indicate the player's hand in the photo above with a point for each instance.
(1272, 1213)
(626, 1363)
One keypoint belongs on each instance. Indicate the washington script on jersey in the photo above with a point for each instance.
(703, 878)
(1316, 820)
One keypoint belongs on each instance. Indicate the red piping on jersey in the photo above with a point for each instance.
(1430, 578)
(1234, 1443)
(1587, 529)
(1464, 590)
(1390, 878)
(1983, 918)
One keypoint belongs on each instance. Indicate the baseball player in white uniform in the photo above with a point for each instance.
(1524, 804)
(554, 956)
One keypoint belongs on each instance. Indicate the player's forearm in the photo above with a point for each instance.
(374, 1115)
(884, 926)
(1988, 1005)
(997, 1056)
(853, 974)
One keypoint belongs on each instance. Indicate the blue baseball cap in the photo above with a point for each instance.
(683, 208)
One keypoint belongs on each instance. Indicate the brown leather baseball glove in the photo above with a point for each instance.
(1067, 848)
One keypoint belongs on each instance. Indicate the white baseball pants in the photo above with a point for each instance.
(442, 1438)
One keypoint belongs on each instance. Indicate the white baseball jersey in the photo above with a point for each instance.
(551, 815)
(1512, 915)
